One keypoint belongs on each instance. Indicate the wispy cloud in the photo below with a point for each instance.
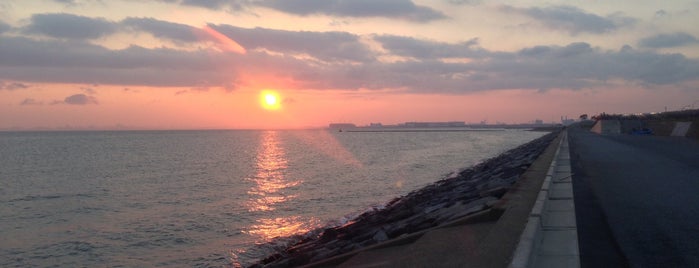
(225, 43)
(4, 27)
(89, 90)
(12, 85)
(69, 26)
(80, 99)
(464, 2)
(326, 46)
(394, 9)
(398, 9)
(30, 101)
(130, 90)
(232, 5)
(67, 2)
(677, 39)
(165, 30)
(573, 19)
(75, 62)
(424, 49)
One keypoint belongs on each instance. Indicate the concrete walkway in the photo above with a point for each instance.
(551, 236)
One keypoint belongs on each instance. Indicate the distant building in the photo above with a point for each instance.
(375, 125)
(565, 121)
(538, 122)
(435, 124)
(341, 125)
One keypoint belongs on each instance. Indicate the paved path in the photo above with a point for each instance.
(550, 238)
(559, 237)
(636, 199)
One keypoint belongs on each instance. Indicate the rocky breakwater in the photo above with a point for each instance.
(463, 193)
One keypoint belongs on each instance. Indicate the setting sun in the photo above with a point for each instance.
(270, 100)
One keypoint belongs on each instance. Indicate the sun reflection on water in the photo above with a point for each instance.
(280, 227)
(270, 180)
(272, 190)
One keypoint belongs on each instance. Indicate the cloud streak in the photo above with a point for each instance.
(30, 101)
(80, 99)
(68, 26)
(232, 5)
(423, 49)
(165, 30)
(572, 19)
(12, 86)
(326, 46)
(4, 27)
(405, 10)
(397, 9)
(225, 43)
(677, 39)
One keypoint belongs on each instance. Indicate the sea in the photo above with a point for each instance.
(211, 198)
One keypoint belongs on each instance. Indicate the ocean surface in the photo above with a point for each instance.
(206, 198)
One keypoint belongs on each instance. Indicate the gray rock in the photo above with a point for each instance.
(380, 236)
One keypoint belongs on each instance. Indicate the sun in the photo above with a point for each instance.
(270, 100)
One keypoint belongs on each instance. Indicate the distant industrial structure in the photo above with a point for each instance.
(342, 125)
(404, 125)
(448, 124)
(435, 124)
(565, 121)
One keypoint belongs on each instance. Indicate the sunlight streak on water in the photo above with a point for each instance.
(328, 144)
(271, 190)
(280, 227)
(270, 178)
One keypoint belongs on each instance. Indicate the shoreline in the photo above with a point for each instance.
(465, 193)
(421, 130)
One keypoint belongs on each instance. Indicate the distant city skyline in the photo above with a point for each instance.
(238, 64)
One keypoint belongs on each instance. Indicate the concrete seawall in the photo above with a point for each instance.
(688, 129)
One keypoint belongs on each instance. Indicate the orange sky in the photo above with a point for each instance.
(174, 65)
(162, 108)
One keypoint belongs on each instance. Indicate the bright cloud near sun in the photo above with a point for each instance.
(202, 64)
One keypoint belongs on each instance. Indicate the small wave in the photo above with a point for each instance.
(49, 197)
(35, 197)
(162, 242)
(62, 249)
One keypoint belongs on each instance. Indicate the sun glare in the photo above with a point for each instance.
(270, 100)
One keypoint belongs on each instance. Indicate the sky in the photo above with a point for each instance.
(202, 64)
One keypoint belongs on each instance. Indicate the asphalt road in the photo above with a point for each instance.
(637, 199)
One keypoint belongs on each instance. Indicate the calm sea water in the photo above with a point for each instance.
(206, 198)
